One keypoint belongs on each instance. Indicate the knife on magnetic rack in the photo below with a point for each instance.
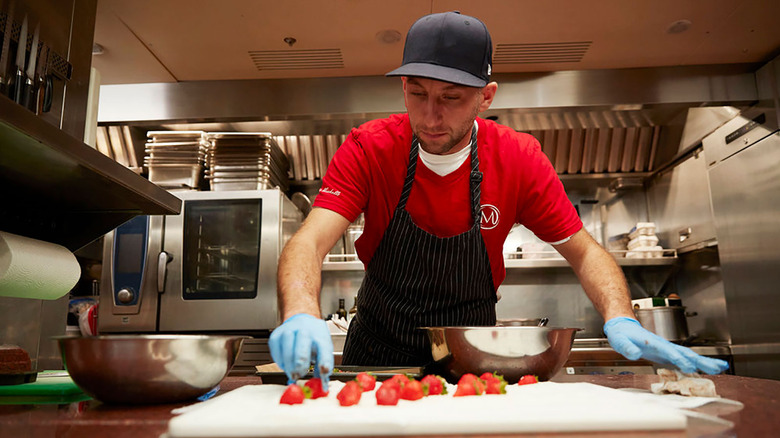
(9, 23)
(28, 89)
(21, 50)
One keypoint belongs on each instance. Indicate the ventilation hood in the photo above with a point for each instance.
(599, 122)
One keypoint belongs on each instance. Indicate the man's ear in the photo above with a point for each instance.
(488, 93)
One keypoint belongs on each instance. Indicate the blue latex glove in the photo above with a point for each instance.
(633, 341)
(300, 341)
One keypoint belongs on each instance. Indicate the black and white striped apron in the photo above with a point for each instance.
(416, 279)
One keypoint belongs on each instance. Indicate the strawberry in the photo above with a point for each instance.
(349, 394)
(400, 378)
(435, 384)
(469, 384)
(494, 383)
(528, 379)
(388, 393)
(412, 390)
(315, 385)
(367, 381)
(293, 395)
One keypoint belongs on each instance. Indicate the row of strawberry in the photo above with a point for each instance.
(400, 386)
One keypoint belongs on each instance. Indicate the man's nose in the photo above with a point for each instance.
(433, 112)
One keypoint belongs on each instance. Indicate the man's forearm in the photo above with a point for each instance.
(605, 285)
(600, 276)
(299, 279)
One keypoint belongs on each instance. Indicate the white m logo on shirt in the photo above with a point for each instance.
(489, 216)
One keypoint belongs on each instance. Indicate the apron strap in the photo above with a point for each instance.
(474, 181)
(411, 169)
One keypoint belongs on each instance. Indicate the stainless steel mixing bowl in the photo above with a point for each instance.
(512, 351)
(148, 369)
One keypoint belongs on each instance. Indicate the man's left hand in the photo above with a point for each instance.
(630, 339)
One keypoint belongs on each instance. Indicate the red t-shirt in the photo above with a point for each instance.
(519, 186)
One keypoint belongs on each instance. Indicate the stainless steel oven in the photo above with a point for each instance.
(211, 268)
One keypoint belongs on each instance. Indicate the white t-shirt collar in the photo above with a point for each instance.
(445, 164)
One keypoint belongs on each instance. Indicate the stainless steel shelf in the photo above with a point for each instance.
(58, 189)
(548, 262)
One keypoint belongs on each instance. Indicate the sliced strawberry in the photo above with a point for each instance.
(349, 394)
(315, 385)
(469, 384)
(412, 390)
(367, 381)
(388, 394)
(293, 395)
(494, 383)
(436, 384)
(496, 386)
(464, 389)
(528, 379)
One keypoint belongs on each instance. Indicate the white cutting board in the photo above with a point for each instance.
(543, 407)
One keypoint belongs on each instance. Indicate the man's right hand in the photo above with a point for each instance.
(300, 341)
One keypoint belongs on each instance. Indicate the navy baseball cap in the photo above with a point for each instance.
(449, 47)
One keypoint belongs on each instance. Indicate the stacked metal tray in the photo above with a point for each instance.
(245, 161)
(176, 159)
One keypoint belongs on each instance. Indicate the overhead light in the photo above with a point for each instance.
(290, 41)
(97, 49)
(389, 36)
(678, 26)
(627, 107)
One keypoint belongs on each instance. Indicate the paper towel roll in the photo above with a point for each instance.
(32, 268)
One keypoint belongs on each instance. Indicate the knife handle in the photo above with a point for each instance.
(46, 94)
(24, 97)
(18, 86)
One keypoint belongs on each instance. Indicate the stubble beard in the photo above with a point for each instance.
(458, 136)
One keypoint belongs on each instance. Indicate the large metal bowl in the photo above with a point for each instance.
(148, 369)
(512, 351)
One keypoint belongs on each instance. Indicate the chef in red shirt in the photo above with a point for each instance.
(440, 189)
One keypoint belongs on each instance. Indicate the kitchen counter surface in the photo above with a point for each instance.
(91, 418)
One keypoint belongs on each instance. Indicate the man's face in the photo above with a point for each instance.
(442, 114)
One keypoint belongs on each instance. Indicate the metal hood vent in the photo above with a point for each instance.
(540, 53)
(582, 142)
(297, 59)
(586, 142)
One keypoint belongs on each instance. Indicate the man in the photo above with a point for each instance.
(422, 181)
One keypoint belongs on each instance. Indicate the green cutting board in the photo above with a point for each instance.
(50, 388)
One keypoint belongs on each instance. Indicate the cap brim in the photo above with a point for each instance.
(438, 72)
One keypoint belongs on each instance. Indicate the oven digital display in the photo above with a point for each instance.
(130, 242)
(130, 254)
(221, 249)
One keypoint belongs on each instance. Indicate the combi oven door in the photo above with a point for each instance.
(224, 248)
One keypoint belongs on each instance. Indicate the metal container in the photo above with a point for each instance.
(667, 322)
(148, 369)
(522, 322)
(510, 351)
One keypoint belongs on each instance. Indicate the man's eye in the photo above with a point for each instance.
(417, 94)
(451, 97)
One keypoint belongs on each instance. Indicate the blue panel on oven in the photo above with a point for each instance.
(130, 249)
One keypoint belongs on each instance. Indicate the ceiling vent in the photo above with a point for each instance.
(297, 59)
(540, 53)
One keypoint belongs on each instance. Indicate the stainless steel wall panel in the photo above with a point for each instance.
(679, 202)
(700, 285)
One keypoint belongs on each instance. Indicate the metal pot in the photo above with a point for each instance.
(667, 322)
